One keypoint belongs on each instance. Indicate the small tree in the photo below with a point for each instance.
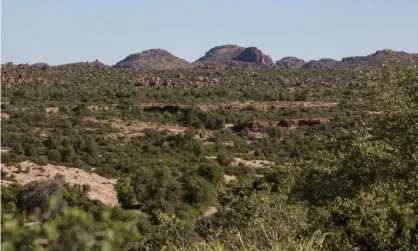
(125, 193)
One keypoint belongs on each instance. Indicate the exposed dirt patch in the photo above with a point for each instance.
(229, 178)
(253, 163)
(210, 211)
(101, 188)
(136, 128)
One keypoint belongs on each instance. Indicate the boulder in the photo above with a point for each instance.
(4, 116)
(52, 109)
(204, 133)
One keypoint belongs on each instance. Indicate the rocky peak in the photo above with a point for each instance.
(378, 58)
(256, 56)
(227, 47)
(290, 63)
(382, 53)
(397, 54)
(151, 53)
(221, 54)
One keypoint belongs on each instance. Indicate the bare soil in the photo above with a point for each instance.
(136, 128)
(101, 188)
(253, 163)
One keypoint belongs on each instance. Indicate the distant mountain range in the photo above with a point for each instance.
(252, 57)
(240, 57)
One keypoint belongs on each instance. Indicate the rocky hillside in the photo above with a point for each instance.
(378, 58)
(220, 54)
(322, 63)
(255, 56)
(370, 61)
(154, 59)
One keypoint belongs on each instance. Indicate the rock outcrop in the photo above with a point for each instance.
(97, 108)
(95, 64)
(254, 126)
(4, 116)
(236, 57)
(374, 60)
(302, 122)
(260, 126)
(149, 81)
(161, 108)
(324, 63)
(290, 63)
(378, 58)
(52, 110)
(255, 56)
(220, 54)
(43, 66)
(203, 133)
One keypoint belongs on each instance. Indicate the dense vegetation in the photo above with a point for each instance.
(350, 183)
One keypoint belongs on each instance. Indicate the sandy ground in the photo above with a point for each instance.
(101, 188)
(229, 178)
(135, 128)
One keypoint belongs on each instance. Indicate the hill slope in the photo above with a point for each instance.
(370, 61)
(220, 54)
(154, 59)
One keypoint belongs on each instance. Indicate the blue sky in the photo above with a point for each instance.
(58, 32)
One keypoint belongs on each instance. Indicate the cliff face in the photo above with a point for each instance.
(255, 56)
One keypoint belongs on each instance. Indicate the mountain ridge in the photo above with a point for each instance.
(235, 56)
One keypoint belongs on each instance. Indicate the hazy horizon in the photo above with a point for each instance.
(78, 31)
